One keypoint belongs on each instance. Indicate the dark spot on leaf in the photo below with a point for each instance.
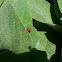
(29, 47)
(2, 3)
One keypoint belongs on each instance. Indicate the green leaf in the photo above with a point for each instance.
(58, 10)
(15, 30)
(45, 45)
(39, 13)
(42, 13)
(15, 17)
(49, 40)
(60, 4)
(23, 10)
(13, 35)
(24, 14)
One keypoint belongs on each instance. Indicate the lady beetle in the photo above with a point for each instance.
(28, 29)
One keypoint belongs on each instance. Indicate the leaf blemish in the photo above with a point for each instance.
(29, 47)
(1, 3)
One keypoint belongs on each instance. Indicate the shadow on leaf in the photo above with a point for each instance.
(50, 1)
(57, 11)
(32, 56)
(56, 15)
(52, 36)
(53, 15)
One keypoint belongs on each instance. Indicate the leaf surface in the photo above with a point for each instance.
(42, 13)
(16, 16)
(13, 35)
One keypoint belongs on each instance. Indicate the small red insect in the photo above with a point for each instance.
(28, 29)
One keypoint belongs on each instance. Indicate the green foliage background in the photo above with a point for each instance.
(43, 43)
